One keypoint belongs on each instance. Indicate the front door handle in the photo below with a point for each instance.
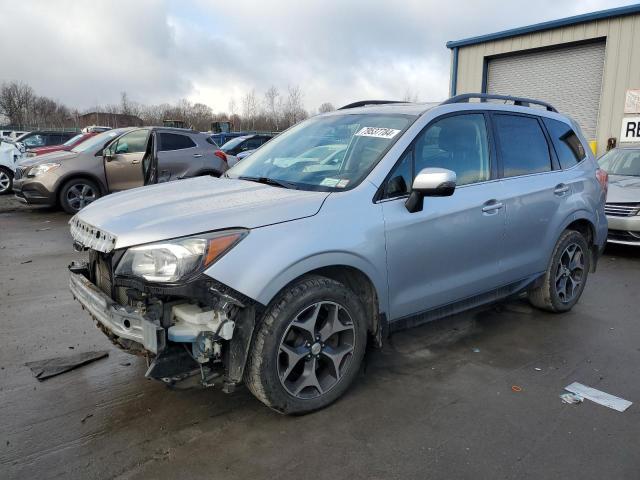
(197, 155)
(561, 190)
(491, 207)
(135, 161)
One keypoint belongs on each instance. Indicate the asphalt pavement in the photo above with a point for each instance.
(437, 401)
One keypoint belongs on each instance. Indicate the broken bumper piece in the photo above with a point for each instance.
(116, 319)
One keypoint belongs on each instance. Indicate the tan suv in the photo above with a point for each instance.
(115, 160)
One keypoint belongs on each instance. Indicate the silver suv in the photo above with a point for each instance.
(280, 273)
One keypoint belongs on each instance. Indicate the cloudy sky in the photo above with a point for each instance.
(85, 53)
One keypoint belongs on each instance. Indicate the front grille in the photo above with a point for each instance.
(624, 236)
(622, 209)
(101, 272)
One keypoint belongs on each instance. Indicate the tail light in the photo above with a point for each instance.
(220, 154)
(603, 180)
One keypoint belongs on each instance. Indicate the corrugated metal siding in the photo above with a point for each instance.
(570, 78)
(621, 68)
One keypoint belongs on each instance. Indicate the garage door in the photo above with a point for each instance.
(569, 78)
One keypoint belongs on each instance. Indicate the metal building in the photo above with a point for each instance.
(587, 66)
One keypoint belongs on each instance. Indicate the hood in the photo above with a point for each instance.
(60, 155)
(623, 189)
(187, 207)
(52, 148)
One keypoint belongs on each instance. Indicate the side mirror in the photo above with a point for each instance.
(430, 182)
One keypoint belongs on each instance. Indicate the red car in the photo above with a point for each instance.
(66, 146)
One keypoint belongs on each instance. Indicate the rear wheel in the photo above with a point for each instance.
(566, 276)
(6, 180)
(308, 348)
(77, 194)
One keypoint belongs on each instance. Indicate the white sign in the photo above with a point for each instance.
(632, 101)
(377, 132)
(630, 130)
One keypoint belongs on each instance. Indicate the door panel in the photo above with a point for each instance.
(177, 156)
(124, 169)
(449, 251)
(535, 195)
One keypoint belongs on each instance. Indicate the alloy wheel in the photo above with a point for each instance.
(5, 181)
(316, 350)
(569, 273)
(80, 195)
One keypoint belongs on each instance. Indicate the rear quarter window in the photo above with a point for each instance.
(565, 142)
(175, 141)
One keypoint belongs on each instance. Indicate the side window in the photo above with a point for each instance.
(401, 178)
(134, 142)
(458, 143)
(175, 141)
(565, 142)
(522, 145)
(35, 141)
(253, 143)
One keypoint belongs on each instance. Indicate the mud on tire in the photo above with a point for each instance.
(566, 275)
(308, 346)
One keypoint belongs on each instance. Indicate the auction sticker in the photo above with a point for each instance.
(330, 182)
(377, 132)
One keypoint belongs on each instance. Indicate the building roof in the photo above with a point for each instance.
(538, 27)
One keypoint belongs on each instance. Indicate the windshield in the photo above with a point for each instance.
(234, 142)
(98, 141)
(621, 162)
(73, 140)
(326, 153)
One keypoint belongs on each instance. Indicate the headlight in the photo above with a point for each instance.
(42, 168)
(173, 260)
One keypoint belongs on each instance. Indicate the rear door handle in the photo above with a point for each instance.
(561, 189)
(491, 207)
(197, 155)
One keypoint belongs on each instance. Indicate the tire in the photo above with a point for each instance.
(285, 359)
(6, 180)
(566, 275)
(77, 194)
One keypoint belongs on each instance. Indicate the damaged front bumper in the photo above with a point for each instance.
(120, 321)
(199, 329)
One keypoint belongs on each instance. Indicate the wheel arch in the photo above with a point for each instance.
(80, 176)
(353, 272)
(583, 222)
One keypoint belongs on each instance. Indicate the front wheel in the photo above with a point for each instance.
(566, 275)
(6, 180)
(77, 194)
(309, 346)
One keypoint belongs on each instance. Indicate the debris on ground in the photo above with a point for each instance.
(516, 388)
(87, 416)
(475, 350)
(26, 261)
(43, 229)
(44, 369)
(537, 369)
(571, 398)
(601, 398)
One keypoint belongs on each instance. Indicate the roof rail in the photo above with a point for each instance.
(362, 103)
(519, 101)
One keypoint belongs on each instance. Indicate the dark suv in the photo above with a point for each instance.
(44, 139)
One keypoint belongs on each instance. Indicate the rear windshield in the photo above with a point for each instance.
(328, 153)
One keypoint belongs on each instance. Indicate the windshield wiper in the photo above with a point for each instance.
(270, 181)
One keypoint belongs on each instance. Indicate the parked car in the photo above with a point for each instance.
(43, 138)
(66, 146)
(233, 147)
(623, 199)
(281, 272)
(112, 161)
(243, 155)
(9, 157)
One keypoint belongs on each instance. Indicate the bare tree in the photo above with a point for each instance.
(410, 96)
(271, 105)
(16, 101)
(326, 107)
(250, 108)
(294, 111)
